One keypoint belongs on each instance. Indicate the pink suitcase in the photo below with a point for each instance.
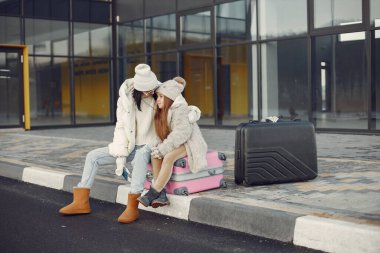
(184, 182)
(192, 186)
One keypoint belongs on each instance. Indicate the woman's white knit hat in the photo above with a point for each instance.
(172, 88)
(144, 79)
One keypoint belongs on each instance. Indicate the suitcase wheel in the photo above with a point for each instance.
(222, 156)
(180, 163)
(149, 176)
(181, 191)
(223, 184)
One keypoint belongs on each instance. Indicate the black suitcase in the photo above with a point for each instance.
(275, 152)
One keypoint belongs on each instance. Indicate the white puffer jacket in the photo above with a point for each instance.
(124, 137)
(185, 131)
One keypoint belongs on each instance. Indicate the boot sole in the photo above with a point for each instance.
(158, 204)
(77, 213)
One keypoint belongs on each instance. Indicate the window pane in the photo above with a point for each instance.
(279, 18)
(11, 88)
(376, 79)
(47, 36)
(236, 21)
(53, 9)
(9, 30)
(284, 79)
(337, 12)
(339, 83)
(234, 84)
(161, 33)
(375, 13)
(128, 66)
(197, 69)
(164, 66)
(10, 7)
(49, 91)
(131, 38)
(196, 28)
(92, 39)
(92, 81)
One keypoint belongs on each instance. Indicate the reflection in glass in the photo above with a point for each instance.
(131, 38)
(92, 40)
(337, 12)
(160, 32)
(279, 18)
(345, 92)
(92, 95)
(10, 87)
(49, 91)
(375, 13)
(45, 37)
(236, 21)
(9, 30)
(196, 28)
(284, 79)
(164, 66)
(234, 85)
(376, 79)
(197, 69)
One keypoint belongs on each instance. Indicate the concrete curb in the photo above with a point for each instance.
(309, 231)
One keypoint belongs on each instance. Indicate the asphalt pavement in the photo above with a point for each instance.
(339, 211)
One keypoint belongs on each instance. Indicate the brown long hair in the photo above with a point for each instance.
(161, 123)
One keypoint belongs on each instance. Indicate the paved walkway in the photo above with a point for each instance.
(339, 211)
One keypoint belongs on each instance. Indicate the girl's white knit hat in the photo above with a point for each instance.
(172, 88)
(144, 79)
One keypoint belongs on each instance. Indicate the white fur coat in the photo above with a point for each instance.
(185, 131)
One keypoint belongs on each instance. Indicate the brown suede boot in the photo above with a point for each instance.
(131, 213)
(80, 204)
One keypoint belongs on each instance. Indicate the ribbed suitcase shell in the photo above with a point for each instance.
(268, 153)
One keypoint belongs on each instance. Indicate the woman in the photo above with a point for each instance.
(177, 136)
(134, 127)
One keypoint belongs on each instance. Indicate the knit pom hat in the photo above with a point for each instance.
(172, 89)
(144, 79)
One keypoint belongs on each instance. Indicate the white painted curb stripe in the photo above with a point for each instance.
(336, 236)
(44, 177)
(179, 205)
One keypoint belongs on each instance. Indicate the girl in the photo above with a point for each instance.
(134, 127)
(177, 136)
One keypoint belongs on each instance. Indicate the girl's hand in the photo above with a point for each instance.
(156, 153)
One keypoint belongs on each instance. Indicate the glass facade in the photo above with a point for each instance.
(284, 79)
(234, 83)
(197, 66)
(49, 90)
(278, 20)
(340, 93)
(314, 60)
(196, 28)
(337, 12)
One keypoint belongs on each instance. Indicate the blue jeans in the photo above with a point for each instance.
(140, 157)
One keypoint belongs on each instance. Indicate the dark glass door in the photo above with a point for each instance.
(11, 98)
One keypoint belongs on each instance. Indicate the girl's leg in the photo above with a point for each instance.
(167, 167)
(94, 159)
(156, 167)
